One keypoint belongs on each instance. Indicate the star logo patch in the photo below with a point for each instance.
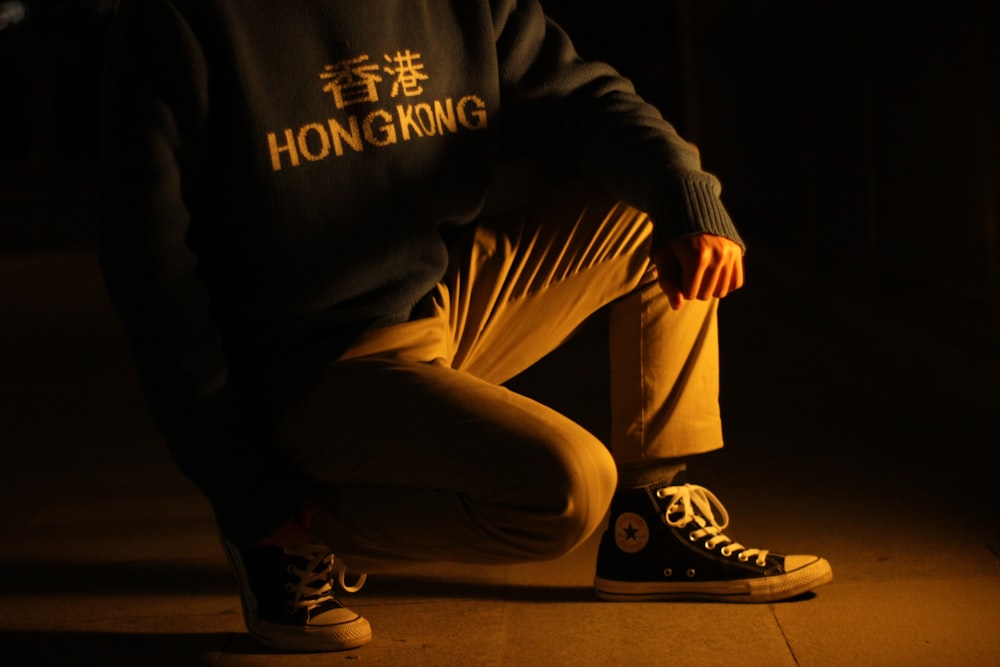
(631, 532)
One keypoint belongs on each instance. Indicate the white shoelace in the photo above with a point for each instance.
(314, 586)
(694, 504)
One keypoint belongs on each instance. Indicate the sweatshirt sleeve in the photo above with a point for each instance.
(155, 114)
(589, 113)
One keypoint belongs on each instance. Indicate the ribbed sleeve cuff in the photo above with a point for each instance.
(706, 212)
(698, 211)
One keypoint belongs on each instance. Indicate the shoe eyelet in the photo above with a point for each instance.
(667, 572)
(660, 494)
(726, 551)
(690, 573)
(692, 537)
(742, 558)
(709, 545)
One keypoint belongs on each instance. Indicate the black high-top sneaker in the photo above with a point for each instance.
(288, 600)
(663, 542)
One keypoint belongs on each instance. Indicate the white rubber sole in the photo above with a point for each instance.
(757, 589)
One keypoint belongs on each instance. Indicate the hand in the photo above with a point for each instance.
(699, 267)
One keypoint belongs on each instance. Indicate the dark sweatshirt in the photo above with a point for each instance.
(280, 176)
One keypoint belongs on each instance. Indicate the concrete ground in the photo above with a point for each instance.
(849, 434)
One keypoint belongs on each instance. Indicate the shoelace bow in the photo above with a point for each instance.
(693, 503)
(314, 586)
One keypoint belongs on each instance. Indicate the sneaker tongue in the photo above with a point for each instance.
(692, 508)
(679, 479)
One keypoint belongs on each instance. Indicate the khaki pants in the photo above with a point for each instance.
(418, 453)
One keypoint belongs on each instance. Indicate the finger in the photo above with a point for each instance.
(709, 282)
(715, 276)
(693, 276)
(738, 276)
(668, 269)
(672, 290)
(723, 281)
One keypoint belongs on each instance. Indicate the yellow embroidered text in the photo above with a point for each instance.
(380, 128)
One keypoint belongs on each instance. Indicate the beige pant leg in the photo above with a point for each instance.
(664, 378)
(517, 292)
(415, 461)
(415, 450)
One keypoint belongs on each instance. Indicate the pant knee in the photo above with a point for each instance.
(571, 502)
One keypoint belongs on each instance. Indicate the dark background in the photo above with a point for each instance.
(858, 146)
(857, 142)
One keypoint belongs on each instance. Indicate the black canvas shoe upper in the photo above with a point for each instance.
(292, 585)
(288, 598)
(666, 541)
